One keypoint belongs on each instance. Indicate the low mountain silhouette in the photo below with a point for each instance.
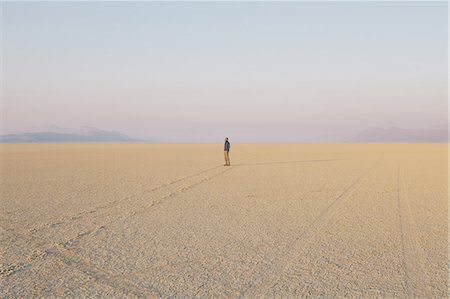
(394, 134)
(54, 133)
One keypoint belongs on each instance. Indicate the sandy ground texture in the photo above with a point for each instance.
(291, 221)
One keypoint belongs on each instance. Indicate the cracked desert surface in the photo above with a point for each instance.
(284, 221)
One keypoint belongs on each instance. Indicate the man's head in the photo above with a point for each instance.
(226, 138)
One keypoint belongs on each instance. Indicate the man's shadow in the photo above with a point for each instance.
(286, 162)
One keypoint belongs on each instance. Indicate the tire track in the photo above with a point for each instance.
(416, 277)
(187, 188)
(259, 289)
(72, 260)
(255, 251)
(101, 276)
(142, 209)
(116, 202)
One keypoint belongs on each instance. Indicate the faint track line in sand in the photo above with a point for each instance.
(184, 189)
(101, 276)
(71, 259)
(141, 209)
(259, 289)
(216, 265)
(118, 201)
(417, 280)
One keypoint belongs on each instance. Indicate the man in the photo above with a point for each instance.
(226, 152)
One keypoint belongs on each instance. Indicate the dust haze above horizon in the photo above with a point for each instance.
(199, 71)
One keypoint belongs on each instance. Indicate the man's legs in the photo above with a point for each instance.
(227, 157)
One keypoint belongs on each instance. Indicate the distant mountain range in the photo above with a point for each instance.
(393, 134)
(54, 133)
(57, 134)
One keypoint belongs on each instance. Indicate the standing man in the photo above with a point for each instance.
(226, 152)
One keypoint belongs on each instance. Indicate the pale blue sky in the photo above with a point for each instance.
(197, 71)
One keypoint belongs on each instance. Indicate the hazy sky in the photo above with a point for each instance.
(197, 71)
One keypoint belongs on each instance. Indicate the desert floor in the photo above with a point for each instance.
(138, 220)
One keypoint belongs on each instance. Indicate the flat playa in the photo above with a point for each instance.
(137, 220)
